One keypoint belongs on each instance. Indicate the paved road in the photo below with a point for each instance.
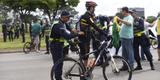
(36, 66)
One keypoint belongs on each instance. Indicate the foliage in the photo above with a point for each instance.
(151, 19)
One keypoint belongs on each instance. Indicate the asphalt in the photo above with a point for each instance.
(37, 66)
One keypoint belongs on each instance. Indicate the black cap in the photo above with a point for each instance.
(65, 13)
(133, 11)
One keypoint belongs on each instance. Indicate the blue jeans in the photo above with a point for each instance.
(127, 50)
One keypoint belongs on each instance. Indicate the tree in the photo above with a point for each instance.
(51, 7)
(4, 10)
(24, 7)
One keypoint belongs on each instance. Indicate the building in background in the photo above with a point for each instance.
(140, 11)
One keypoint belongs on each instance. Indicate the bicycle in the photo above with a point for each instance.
(110, 67)
(153, 39)
(28, 47)
(153, 42)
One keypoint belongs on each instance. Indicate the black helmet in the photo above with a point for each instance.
(91, 4)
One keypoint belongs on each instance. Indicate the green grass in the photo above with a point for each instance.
(17, 43)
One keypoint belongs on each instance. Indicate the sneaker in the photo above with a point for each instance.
(37, 51)
(138, 68)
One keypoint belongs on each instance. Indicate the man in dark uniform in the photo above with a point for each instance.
(4, 31)
(16, 30)
(140, 39)
(47, 29)
(86, 22)
(22, 31)
(59, 34)
(10, 32)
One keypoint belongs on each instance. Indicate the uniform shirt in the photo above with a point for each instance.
(4, 28)
(85, 26)
(127, 31)
(59, 31)
(47, 29)
(138, 25)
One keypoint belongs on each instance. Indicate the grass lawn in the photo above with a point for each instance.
(17, 43)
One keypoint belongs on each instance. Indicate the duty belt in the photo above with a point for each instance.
(139, 34)
(57, 40)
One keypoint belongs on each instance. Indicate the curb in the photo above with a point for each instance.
(14, 51)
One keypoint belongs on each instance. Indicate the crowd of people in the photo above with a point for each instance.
(13, 31)
(128, 32)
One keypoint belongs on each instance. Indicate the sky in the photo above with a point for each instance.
(109, 7)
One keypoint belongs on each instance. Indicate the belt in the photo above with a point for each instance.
(139, 34)
(57, 40)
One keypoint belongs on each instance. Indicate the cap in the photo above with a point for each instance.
(65, 13)
(133, 11)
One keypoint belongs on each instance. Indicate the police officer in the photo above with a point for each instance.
(4, 31)
(59, 34)
(10, 32)
(140, 39)
(16, 29)
(66, 44)
(22, 31)
(47, 29)
(85, 26)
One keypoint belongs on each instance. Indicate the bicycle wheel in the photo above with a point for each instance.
(112, 71)
(154, 44)
(72, 70)
(27, 47)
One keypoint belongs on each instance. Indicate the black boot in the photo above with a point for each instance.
(139, 66)
(151, 64)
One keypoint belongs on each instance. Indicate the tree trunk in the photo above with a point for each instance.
(49, 15)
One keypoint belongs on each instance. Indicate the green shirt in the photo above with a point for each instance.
(36, 29)
(127, 31)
